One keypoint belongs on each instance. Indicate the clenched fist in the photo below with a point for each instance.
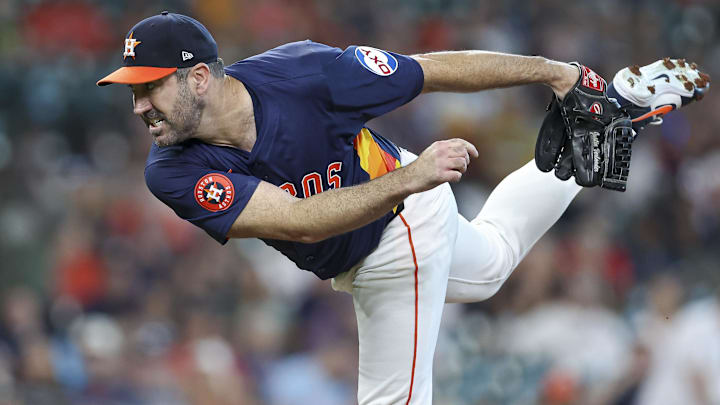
(443, 161)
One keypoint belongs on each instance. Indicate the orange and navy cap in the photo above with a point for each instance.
(157, 46)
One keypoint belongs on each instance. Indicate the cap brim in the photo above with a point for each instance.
(136, 75)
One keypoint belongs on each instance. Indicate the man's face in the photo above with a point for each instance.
(169, 109)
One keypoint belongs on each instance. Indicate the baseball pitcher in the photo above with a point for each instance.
(276, 147)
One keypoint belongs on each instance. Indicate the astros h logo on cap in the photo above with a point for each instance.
(130, 44)
(157, 46)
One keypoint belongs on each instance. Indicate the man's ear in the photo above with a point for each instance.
(200, 76)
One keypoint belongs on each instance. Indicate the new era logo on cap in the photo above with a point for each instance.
(186, 55)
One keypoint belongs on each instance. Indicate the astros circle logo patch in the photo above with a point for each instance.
(375, 60)
(214, 192)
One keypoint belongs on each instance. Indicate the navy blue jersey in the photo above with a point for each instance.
(311, 102)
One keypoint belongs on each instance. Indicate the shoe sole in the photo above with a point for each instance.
(662, 86)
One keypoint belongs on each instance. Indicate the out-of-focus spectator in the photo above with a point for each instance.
(587, 345)
(320, 377)
(687, 368)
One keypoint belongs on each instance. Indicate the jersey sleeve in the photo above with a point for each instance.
(366, 82)
(207, 198)
(357, 84)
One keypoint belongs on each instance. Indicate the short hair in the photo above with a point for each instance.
(216, 69)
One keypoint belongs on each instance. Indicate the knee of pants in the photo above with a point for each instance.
(509, 251)
(482, 261)
(464, 292)
(483, 253)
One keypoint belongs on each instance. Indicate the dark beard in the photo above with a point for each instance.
(185, 119)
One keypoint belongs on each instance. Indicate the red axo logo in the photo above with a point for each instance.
(592, 80)
(380, 62)
(596, 108)
(214, 192)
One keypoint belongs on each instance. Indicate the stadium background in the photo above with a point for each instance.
(108, 298)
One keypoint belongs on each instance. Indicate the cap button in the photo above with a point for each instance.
(164, 13)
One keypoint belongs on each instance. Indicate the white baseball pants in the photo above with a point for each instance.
(430, 255)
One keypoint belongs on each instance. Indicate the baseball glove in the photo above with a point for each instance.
(586, 135)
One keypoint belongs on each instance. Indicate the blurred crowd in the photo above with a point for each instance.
(108, 298)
